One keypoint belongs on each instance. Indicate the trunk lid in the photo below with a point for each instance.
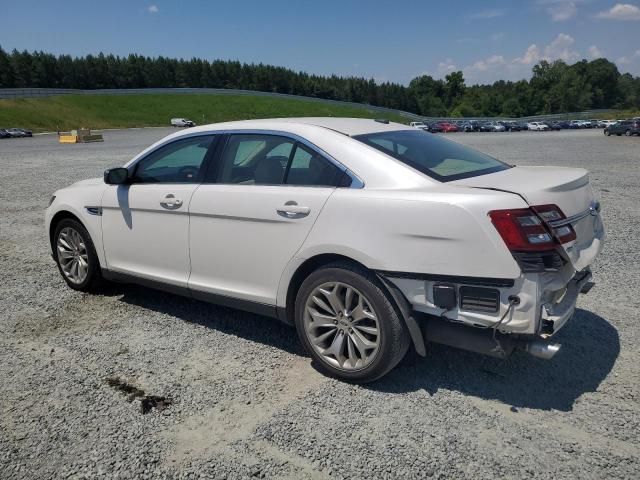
(568, 188)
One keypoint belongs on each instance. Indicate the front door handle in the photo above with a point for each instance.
(292, 210)
(170, 202)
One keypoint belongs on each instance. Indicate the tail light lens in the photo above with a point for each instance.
(552, 213)
(528, 229)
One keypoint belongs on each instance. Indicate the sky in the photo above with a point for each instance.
(393, 40)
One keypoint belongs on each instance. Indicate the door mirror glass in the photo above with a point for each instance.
(116, 176)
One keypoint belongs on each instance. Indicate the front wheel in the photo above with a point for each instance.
(76, 256)
(627, 133)
(348, 325)
(607, 133)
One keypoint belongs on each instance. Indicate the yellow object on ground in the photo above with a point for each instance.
(82, 135)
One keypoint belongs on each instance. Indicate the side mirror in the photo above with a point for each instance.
(116, 176)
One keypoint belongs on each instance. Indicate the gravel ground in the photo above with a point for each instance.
(76, 370)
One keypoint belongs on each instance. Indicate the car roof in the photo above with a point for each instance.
(346, 126)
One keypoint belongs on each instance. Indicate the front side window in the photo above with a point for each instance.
(181, 161)
(436, 157)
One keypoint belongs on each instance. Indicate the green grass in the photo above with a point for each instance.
(123, 111)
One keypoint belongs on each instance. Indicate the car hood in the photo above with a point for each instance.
(88, 182)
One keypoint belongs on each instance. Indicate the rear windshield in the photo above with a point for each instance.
(432, 155)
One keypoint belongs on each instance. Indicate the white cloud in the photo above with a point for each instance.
(621, 11)
(486, 14)
(446, 67)
(594, 52)
(531, 56)
(561, 10)
(484, 65)
(153, 9)
(626, 60)
(560, 48)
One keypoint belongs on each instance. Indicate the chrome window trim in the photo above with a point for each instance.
(356, 181)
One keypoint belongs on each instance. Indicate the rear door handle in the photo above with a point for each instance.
(170, 202)
(293, 210)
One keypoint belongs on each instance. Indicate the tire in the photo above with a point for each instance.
(72, 238)
(377, 322)
(607, 133)
(627, 133)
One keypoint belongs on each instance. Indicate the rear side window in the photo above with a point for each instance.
(311, 169)
(256, 159)
(434, 156)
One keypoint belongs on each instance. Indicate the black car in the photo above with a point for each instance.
(626, 127)
(4, 133)
(435, 127)
(564, 124)
(553, 125)
(511, 126)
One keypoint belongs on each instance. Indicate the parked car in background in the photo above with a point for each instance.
(564, 124)
(523, 125)
(464, 126)
(553, 125)
(4, 133)
(607, 123)
(365, 236)
(434, 127)
(448, 127)
(538, 126)
(511, 126)
(182, 122)
(623, 127)
(19, 132)
(419, 125)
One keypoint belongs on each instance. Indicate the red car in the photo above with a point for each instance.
(448, 127)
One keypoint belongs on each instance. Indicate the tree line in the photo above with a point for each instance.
(555, 87)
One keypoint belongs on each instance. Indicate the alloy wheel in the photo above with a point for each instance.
(341, 326)
(72, 255)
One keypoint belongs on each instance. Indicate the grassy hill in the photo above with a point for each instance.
(122, 111)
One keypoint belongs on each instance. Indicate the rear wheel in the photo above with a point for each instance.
(627, 133)
(607, 133)
(348, 324)
(76, 256)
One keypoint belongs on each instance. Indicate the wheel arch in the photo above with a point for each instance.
(57, 218)
(395, 296)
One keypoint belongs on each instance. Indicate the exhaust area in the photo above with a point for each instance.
(483, 341)
(542, 349)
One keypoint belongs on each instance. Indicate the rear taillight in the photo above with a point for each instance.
(552, 214)
(529, 230)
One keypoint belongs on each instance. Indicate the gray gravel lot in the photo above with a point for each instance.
(246, 401)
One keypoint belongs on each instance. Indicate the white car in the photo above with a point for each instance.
(538, 126)
(366, 235)
(419, 125)
(182, 122)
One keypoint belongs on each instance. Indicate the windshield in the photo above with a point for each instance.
(434, 156)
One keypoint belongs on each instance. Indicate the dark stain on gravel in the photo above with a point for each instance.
(147, 402)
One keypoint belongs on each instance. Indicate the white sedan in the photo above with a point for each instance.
(538, 126)
(370, 237)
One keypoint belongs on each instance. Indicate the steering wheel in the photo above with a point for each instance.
(188, 172)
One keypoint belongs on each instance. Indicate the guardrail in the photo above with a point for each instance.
(12, 93)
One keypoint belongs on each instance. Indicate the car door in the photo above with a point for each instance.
(247, 226)
(145, 223)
